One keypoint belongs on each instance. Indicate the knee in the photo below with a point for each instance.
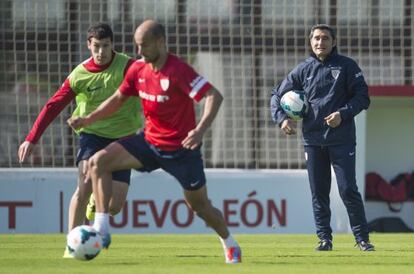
(96, 163)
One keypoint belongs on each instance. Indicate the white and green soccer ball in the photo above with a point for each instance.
(84, 242)
(295, 104)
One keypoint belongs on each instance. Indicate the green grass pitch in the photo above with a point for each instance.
(198, 254)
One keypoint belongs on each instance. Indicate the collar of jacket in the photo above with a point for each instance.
(331, 55)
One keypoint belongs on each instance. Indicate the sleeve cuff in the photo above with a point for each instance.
(345, 114)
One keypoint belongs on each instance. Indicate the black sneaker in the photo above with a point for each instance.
(324, 245)
(365, 246)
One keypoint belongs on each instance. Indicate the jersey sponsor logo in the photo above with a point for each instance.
(359, 74)
(162, 98)
(153, 98)
(91, 89)
(165, 83)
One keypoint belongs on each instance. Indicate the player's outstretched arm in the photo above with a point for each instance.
(108, 107)
(49, 112)
(211, 107)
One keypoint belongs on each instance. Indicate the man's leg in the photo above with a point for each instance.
(78, 202)
(201, 205)
(198, 201)
(79, 199)
(343, 162)
(188, 168)
(319, 174)
(112, 158)
(119, 193)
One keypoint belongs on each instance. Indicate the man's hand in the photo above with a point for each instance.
(76, 122)
(288, 127)
(25, 150)
(334, 119)
(193, 139)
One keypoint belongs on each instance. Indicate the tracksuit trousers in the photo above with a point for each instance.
(342, 158)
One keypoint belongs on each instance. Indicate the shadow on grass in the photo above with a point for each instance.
(195, 256)
(333, 264)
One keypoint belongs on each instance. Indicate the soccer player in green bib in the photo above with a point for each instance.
(91, 83)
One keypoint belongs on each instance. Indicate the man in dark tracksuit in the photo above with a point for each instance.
(336, 91)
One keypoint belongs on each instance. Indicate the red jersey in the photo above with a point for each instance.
(167, 99)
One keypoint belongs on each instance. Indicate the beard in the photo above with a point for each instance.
(151, 59)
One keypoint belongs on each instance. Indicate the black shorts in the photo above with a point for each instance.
(89, 144)
(186, 165)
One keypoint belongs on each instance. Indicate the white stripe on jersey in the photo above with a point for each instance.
(200, 83)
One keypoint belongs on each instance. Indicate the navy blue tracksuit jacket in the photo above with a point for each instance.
(335, 84)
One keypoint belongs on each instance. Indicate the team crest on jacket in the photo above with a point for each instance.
(165, 83)
(335, 73)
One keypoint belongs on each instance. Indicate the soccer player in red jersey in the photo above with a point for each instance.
(171, 139)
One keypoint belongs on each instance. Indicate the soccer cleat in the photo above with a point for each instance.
(106, 240)
(90, 209)
(66, 254)
(233, 255)
(365, 246)
(324, 245)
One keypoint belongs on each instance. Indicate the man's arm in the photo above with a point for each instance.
(49, 112)
(278, 115)
(211, 107)
(108, 107)
(359, 89)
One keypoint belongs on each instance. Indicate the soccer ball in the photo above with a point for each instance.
(294, 104)
(84, 242)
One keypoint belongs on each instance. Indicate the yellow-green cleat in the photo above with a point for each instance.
(90, 209)
(66, 254)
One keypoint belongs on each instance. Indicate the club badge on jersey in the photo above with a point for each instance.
(165, 83)
(335, 73)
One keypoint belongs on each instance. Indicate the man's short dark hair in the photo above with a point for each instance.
(100, 31)
(323, 27)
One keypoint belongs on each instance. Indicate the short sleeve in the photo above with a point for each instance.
(192, 83)
(128, 85)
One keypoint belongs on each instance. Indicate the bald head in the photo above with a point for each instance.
(151, 28)
(150, 40)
